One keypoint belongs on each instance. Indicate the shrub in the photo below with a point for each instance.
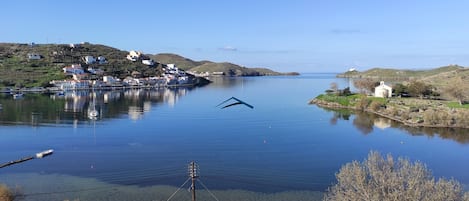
(383, 178)
(5, 193)
(375, 106)
(363, 103)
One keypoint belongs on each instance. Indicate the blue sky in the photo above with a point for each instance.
(293, 35)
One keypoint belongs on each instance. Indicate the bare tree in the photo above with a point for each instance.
(366, 85)
(458, 90)
(385, 179)
(334, 87)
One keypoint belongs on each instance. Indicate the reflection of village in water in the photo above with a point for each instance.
(138, 101)
(365, 122)
(74, 107)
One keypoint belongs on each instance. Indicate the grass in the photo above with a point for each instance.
(378, 99)
(457, 105)
(342, 100)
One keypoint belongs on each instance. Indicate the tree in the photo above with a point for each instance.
(365, 85)
(458, 90)
(334, 87)
(385, 179)
(419, 89)
(400, 89)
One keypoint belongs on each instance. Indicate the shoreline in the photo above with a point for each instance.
(406, 122)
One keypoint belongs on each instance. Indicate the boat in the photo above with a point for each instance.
(92, 114)
(44, 153)
(18, 95)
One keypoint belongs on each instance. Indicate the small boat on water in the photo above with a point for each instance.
(44, 153)
(18, 95)
(92, 114)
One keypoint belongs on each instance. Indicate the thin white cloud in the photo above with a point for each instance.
(228, 48)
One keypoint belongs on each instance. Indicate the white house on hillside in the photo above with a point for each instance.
(148, 62)
(89, 59)
(73, 69)
(134, 55)
(383, 90)
(101, 60)
(34, 56)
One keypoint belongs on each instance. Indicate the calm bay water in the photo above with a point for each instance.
(147, 138)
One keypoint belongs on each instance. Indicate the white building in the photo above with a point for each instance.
(89, 59)
(34, 56)
(101, 60)
(148, 62)
(73, 69)
(71, 84)
(109, 79)
(171, 66)
(134, 55)
(95, 71)
(383, 90)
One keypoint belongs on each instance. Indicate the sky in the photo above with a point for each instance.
(283, 35)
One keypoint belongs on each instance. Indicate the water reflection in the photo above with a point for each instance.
(75, 107)
(367, 122)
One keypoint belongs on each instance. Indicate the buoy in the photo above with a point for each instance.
(44, 153)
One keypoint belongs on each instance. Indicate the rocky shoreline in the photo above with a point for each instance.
(410, 112)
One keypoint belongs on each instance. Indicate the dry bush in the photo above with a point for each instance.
(375, 106)
(5, 193)
(384, 179)
(362, 103)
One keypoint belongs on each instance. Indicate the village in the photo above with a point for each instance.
(80, 78)
(80, 67)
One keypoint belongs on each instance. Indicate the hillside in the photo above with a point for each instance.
(16, 70)
(396, 74)
(440, 79)
(229, 69)
(181, 62)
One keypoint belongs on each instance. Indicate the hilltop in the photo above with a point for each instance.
(228, 69)
(397, 74)
(19, 71)
(180, 61)
(439, 78)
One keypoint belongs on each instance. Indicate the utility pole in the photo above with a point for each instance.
(193, 174)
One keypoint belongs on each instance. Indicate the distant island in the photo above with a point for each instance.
(36, 65)
(420, 98)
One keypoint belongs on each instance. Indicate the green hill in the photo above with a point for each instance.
(181, 62)
(441, 79)
(228, 69)
(396, 74)
(16, 70)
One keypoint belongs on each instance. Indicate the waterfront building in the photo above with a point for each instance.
(383, 90)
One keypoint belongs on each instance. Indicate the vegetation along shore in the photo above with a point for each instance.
(425, 98)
